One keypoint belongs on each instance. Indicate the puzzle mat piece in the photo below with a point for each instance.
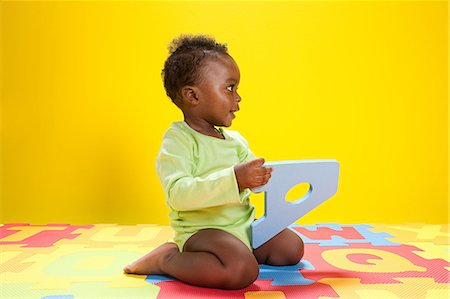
(37, 235)
(408, 288)
(155, 279)
(373, 265)
(179, 290)
(342, 235)
(286, 275)
(97, 290)
(417, 232)
(107, 235)
(264, 295)
(13, 257)
(76, 264)
(323, 177)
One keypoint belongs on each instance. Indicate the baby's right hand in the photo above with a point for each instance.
(252, 174)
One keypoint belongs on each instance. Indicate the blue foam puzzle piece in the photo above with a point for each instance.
(374, 238)
(154, 279)
(322, 175)
(286, 275)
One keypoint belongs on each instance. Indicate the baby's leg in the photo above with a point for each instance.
(286, 248)
(211, 258)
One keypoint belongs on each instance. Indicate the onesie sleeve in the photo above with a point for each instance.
(184, 192)
(245, 154)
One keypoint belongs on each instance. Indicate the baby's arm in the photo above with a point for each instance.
(186, 191)
(252, 174)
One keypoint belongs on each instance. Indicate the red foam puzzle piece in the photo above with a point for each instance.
(179, 290)
(43, 238)
(325, 233)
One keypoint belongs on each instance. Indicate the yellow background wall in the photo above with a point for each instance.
(84, 109)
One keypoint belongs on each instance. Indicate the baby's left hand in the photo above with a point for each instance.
(252, 174)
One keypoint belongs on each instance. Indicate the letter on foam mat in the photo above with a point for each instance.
(322, 175)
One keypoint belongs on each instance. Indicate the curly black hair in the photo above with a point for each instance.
(187, 53)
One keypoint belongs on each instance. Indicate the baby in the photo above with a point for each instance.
(206, 172)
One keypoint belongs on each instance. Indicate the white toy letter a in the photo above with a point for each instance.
(322, 175)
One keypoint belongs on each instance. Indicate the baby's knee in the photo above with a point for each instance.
(241, 274)
(295, 252)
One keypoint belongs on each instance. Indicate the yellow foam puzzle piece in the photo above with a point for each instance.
(107, 235)
(69, 264)
(387, 262)
(264, 295)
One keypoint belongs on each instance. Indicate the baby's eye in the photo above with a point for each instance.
(230, 88)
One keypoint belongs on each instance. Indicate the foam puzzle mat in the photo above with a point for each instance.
(62, 261)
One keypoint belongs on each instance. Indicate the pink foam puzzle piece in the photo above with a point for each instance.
(322, 175)
(29, 235)
(179, 290)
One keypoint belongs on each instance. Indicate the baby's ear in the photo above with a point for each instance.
(189, 95)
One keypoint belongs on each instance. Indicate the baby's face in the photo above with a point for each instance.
(217, 91)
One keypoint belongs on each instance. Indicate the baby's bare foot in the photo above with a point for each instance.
(149, 263)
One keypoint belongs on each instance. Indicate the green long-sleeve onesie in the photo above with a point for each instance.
(197, 174)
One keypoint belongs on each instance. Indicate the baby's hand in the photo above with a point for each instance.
(252, 174)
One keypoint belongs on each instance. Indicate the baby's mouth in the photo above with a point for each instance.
(234, 110)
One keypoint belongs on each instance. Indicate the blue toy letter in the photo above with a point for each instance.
(322, 175)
